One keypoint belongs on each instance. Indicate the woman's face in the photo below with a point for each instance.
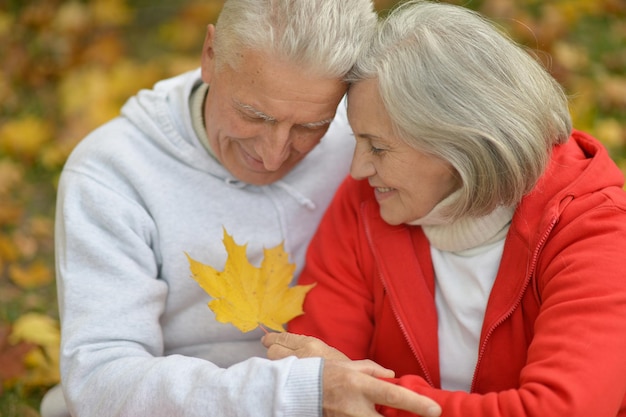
(407, 183)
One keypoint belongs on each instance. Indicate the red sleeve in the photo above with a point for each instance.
(576, 362)
(339, 308)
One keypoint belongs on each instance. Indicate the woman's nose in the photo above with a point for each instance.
(361, 167)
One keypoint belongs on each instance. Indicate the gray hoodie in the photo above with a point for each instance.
(137, 336)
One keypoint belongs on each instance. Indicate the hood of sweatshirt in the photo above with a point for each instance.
(164, 114)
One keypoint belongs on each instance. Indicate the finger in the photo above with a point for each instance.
(343, 394)
(268, 339)
(288, 340)
(276, 351)
(396, 396)
(372, 368)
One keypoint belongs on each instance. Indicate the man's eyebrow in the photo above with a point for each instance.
(258, 113)
(314, 125)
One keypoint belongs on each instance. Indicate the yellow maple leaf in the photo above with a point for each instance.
(249, 296)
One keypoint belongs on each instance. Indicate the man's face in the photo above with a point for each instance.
(265, 115)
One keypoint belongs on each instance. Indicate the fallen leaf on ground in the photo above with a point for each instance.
(36, 275)
(42, 362)
(12, 357)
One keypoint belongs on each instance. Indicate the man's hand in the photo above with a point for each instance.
(350, 388)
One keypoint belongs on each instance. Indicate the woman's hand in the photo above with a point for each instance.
(281, 345)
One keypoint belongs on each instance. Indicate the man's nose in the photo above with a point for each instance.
(276, 146)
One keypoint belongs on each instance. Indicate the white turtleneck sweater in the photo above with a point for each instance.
(466, 255)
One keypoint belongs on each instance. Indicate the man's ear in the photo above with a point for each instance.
(208, 55)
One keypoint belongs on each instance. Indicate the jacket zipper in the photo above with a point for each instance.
(533, 265)
(427, 376)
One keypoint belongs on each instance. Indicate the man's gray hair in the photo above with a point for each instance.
(458, 88)
(324, 36)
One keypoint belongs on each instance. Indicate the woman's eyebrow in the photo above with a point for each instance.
(369, 136)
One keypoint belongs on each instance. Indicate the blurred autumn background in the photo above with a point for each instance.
(68, 66)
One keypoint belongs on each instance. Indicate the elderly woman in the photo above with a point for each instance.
(478, 250)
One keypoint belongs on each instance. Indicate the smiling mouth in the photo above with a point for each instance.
(384, 189)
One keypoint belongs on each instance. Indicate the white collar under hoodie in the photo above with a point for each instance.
(134, 197)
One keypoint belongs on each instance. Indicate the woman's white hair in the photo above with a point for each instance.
(324, 36)
(457, 88)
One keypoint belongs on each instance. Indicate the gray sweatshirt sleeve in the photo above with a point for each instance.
(112, 304)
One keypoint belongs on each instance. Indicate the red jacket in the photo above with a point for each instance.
(553, 341)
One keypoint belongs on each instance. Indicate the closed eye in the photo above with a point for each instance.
(256, 117)
(371, 141)
(250, 113)
(322, 124)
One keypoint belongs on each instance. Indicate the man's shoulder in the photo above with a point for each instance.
(114, 139)
(146, 125)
